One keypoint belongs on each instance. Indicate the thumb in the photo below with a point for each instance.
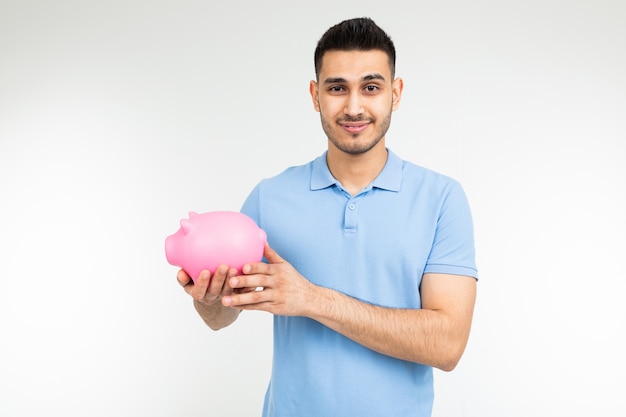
(271, 255)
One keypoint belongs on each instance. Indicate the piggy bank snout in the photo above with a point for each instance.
(170, 249)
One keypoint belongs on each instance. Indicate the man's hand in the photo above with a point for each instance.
(275, 287)
(208, 289)
(208, 292)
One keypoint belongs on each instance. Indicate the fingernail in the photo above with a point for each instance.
(226, 301)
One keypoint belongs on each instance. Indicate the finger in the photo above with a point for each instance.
(218, 281)
(271, 255)
(246, 300)
(263, 267)
(231, 273)
(249, 281)
(199, 289)
(183, 279)
(242, 290)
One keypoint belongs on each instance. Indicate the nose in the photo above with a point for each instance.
(354, 106)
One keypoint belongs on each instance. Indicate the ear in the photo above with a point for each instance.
(315, 95)
(397, 87)
(186, 226)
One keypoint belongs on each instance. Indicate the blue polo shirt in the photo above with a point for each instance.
(374, 246)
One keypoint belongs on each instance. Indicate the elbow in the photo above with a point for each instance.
(452, 351)
(447, 366)
(450, 359)
(214, 327)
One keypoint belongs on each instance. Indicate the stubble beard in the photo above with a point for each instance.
(356, 147)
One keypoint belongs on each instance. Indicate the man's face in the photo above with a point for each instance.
(355, 96)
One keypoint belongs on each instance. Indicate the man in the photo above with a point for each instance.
(370, 270)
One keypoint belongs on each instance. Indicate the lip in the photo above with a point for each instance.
(354, 128)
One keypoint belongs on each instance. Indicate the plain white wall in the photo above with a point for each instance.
(118, 117)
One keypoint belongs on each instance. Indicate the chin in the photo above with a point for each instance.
(352, 148)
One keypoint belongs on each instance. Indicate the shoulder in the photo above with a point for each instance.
(297, 177)
(278, 196)
(418, 177)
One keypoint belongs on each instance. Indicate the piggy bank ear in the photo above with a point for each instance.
(185, 226)
(192, 214)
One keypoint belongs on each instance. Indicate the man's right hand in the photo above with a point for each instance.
(207, 293)
(208, 289)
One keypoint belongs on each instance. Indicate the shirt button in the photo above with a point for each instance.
(352, 206)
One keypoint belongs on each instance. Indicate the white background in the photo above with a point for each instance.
(118, 117)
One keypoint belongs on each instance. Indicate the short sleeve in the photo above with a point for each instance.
(453, 249)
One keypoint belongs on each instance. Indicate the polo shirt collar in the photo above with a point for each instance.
(390, 177)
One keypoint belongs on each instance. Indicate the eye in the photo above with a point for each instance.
(371, 88)
(336, 89)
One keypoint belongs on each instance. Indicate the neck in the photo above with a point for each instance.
(356, 172)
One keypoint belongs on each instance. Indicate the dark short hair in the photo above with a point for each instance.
(360, 34)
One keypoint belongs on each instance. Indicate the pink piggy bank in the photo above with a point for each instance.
(208, 240)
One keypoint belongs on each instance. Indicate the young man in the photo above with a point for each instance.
(371, 274)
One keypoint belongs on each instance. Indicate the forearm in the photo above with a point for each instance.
(434, 335)
(423, 336)
(216, 315)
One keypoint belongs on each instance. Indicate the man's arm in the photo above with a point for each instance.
(207, 294)
(434, 335)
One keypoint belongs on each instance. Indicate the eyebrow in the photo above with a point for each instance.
(340, 80)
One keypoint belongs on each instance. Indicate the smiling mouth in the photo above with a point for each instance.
(355, 127)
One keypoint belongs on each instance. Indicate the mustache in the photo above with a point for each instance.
(355, 119)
